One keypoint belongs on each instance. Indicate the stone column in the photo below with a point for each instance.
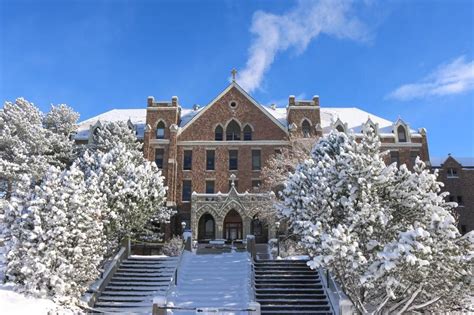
(246, 226)
(219, 227)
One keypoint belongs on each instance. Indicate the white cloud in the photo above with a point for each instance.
(451, 78)
(295, 30)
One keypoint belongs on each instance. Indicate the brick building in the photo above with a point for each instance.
(212, 156)
(457, 174)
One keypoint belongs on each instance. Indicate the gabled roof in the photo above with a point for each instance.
(233, 84)
(464, 161)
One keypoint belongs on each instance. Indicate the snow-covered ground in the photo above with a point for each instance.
(14, 303)
(213, 281)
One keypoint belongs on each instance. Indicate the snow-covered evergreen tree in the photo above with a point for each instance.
(385, 233)
(61, 119)
(106, 137)
(56, 235)
(26, 146)
(132, 185)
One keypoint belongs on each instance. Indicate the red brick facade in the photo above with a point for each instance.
(458, 180)
(269, 133)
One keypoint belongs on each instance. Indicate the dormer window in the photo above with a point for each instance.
(233, 131)
(247, 133)
(340, 128)
(306, 128)
(160, 130)
(219, 133)
(402, 134)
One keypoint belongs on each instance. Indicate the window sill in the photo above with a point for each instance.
(450, 177)
(185, 201)
(210, 170)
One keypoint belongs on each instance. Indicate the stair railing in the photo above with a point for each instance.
(174, 277)
(340, 302)
(96, 289)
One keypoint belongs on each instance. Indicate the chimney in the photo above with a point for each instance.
(174, 101)
(316, 100)
(150, 101)
(291, 100)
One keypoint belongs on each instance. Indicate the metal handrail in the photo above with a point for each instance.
(174, 278)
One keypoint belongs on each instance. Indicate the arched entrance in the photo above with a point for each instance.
(232, 226)
(206, 227)
(259, 229)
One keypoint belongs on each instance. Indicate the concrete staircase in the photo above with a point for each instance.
(212, 281)
(289, 287)
(135, 283)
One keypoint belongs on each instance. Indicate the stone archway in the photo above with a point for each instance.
(233, 226)
(206, 227)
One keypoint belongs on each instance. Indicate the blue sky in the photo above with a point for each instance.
(412, 59)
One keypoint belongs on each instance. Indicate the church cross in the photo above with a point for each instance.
(234, 72)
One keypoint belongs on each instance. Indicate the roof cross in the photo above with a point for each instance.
(234, 72)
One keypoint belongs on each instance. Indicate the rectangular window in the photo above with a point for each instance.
(159, 155)
(277, 151)
(463, 229)
(233, 160)
(460, 201)
(209, 186)
(256, 160)
(210, 160)
(236, 183)
(451, 198)
(452, 173)
(394, 157)
(256, 183)
(187, 187)
(188, 160)
(413, 156)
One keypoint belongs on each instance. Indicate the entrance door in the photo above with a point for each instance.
(232, 226)
(206, 228)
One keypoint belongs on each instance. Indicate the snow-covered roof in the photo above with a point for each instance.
(464, 161)
(278, 113)
(354, 117)
(136, 116)
(187, 114)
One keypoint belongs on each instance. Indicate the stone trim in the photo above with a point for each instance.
(233, 143)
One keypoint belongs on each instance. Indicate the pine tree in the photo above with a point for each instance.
(132, 185)
(57, 238)
(26, 146)
(385, 233)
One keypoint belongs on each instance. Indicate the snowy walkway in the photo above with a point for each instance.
(220, 280)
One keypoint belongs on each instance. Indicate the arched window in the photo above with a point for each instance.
(247, 133)
(340, 128)
(306, 128)
(233, 131)
(219, 133)
(402, 134)
(160, 130)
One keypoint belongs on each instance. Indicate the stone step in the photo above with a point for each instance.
(288, 285)
(123, 304)
(269, 296)
(147, 266)
(146, 270)
(294, 301)
(133, 298)
(307, 312)
(286, 276)
(139, 283)
(131, 310)
(143, 274)
(116, 278)
(289, 291)
(300, 307)
(286, 280)
(120, 287)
